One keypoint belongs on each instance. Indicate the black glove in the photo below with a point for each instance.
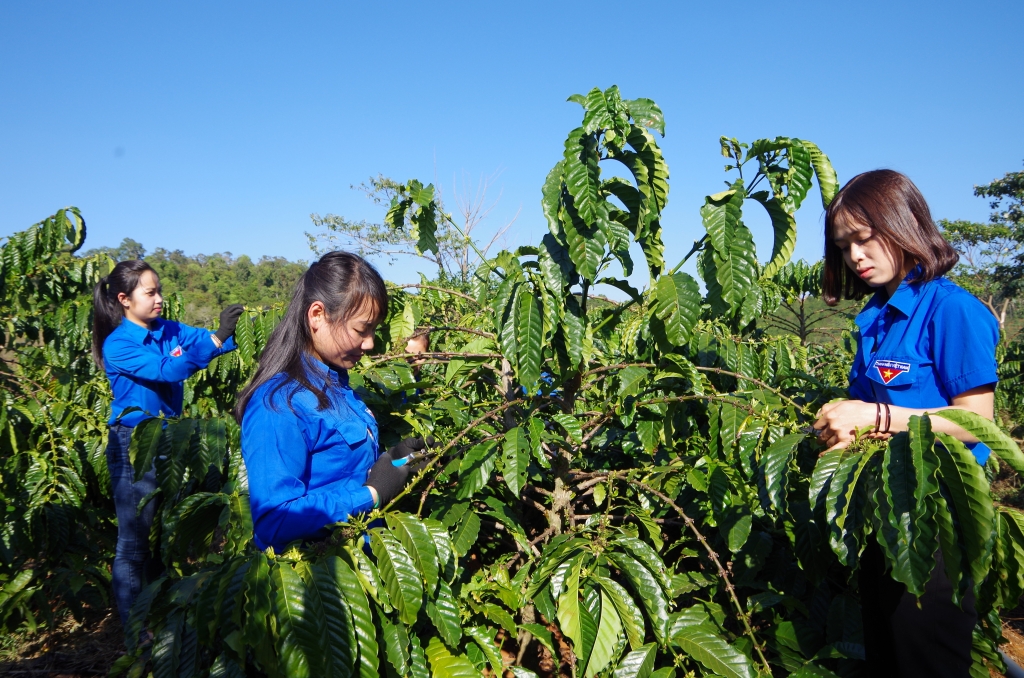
(228, 320)
(386, 478)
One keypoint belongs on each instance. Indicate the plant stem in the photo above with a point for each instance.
(740, 612)
(698, 245)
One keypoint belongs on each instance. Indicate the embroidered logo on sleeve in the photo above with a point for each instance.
(176, 352)
(890, 369)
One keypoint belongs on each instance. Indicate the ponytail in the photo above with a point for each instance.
(343, 283)
(107, 312)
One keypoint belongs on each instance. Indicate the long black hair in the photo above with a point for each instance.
(107, 311)
(894, 208)
(344, 283)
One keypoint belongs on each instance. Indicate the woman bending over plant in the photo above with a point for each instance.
(924, 345)
(309, 443)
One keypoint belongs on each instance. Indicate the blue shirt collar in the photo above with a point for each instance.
(320, 372)
(142, 333)
(905, 298)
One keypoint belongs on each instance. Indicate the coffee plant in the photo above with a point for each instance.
(619, 489)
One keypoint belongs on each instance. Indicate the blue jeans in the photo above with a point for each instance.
(134, 565)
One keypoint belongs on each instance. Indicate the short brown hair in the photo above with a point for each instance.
(894, 208)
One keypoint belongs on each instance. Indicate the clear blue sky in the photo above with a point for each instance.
(213, 127)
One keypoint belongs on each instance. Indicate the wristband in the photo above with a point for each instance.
(888, 418)
(878, 416)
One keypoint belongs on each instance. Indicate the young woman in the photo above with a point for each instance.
(309, 443)
(924, 345)
(146, 360)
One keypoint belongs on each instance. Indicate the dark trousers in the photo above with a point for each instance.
(134, 565)
(902, 640)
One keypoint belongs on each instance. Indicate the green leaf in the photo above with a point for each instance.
(987, 432)
(586, 243)
(842, 508)
(476, 468)
(515, 459)
(571, 425)
(529, 326)
(821, 478)
(444, 664)
(466, 533)
(258, 599)
(419, 543)
(396, 643)
(647, 556)
(712, 651)
(167, 646)
(337, 635)
(828, 182)
(721, 215)
(646, 113)
(650, 593)
(784, 224)
(298, 628)
(484, 638)
(965, 479)
(638, 664)
(362, 618)
(631, 379)
(677, 305)
(730, 275)
(542, 635)
(608, 630)
(398, 572)
(551, 202)
(147, 443)
(499, 616)
(629, 612)
(775, 470)
(908, 477)
(443, 610)
(582, 175)
(569, 619)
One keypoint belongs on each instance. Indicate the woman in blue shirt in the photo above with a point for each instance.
(924, 345)
(146, 360)
(309, 443)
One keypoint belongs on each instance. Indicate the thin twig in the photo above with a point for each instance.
(744, 617)
(439, 289)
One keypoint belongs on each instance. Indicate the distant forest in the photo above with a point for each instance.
(209, 282)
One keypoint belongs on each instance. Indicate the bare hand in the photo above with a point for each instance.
(838, 422)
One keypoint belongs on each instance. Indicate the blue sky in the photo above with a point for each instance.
(213, 127)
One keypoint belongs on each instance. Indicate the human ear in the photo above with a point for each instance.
(316, 316)
(123, 299)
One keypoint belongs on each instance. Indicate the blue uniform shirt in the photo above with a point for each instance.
(923, 346)
(146, 366)
(306, 466)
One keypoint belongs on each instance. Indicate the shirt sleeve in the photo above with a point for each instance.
(277, 460)
(964, 337)
(198, 341)
(125, 356)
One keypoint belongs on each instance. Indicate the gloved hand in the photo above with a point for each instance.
(386, 478)
(228, 321)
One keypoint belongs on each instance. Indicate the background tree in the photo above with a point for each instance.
(455, 254)
(802, 311)
(988, 252)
